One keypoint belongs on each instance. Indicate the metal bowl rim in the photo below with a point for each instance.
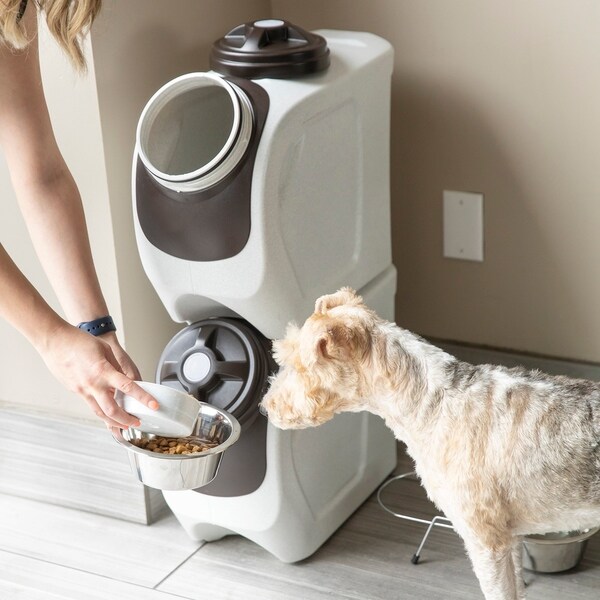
(580, 537)
(117, 433)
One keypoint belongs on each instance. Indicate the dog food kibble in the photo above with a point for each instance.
(163, 445)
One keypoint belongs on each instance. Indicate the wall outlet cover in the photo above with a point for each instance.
(463, 225)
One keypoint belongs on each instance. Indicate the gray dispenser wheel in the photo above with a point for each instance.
(224, 362)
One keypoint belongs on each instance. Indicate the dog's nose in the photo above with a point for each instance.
(262, 409)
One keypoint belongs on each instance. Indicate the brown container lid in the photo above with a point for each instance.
(269, 48)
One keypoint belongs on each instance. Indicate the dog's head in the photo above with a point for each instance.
(322, 363)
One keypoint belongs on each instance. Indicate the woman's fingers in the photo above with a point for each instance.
(121, 382)
(129, 368)
(91, 402)
(113, 411)
(124, 362)
(115, 379)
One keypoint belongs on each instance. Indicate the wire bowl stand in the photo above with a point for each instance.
(437, 521)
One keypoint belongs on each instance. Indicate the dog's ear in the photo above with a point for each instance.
(332, 342)
(285, 349)
(345, 296)
(337, 340)
(320, 341)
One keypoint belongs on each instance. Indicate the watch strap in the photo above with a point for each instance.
(98, 326)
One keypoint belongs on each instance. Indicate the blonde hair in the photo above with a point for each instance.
(68, 21)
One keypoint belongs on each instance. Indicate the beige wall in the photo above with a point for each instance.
(495, 97)
(500, 98)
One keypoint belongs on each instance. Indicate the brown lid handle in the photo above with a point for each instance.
(269, 48)
(258, 35)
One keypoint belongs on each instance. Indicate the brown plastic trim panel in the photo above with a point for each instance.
(212, 224)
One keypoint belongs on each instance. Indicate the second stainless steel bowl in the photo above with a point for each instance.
(555, 552)
(183, 471)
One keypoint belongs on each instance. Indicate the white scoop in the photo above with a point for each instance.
(175, 417)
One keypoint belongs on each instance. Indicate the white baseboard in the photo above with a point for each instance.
(71, 463)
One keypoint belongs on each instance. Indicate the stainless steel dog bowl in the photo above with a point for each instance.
(555, 552)
(183, 471)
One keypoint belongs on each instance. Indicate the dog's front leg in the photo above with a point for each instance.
(495, 568)
(517, 555)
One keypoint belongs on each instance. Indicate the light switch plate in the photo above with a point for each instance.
(463, 225)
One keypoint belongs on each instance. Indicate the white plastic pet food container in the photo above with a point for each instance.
(258, 187)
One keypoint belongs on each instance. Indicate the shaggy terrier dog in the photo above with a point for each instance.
(502, 452)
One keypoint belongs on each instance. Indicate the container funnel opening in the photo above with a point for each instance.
(190, 127)
(190, 131)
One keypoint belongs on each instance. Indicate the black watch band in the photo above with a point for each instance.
(98, 326)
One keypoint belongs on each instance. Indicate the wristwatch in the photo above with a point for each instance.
(98, 326)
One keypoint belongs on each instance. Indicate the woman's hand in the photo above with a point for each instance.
(88, 366)
(127, 365)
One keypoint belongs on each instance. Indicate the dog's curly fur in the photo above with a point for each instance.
(503, 452)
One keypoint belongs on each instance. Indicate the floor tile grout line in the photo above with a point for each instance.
(282, 579)
(56, 564)
(155, 587)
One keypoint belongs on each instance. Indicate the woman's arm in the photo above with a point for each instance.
(52, 209)
(47, 194)
(84, 364)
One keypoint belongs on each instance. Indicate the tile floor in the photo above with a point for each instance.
(53, 553)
